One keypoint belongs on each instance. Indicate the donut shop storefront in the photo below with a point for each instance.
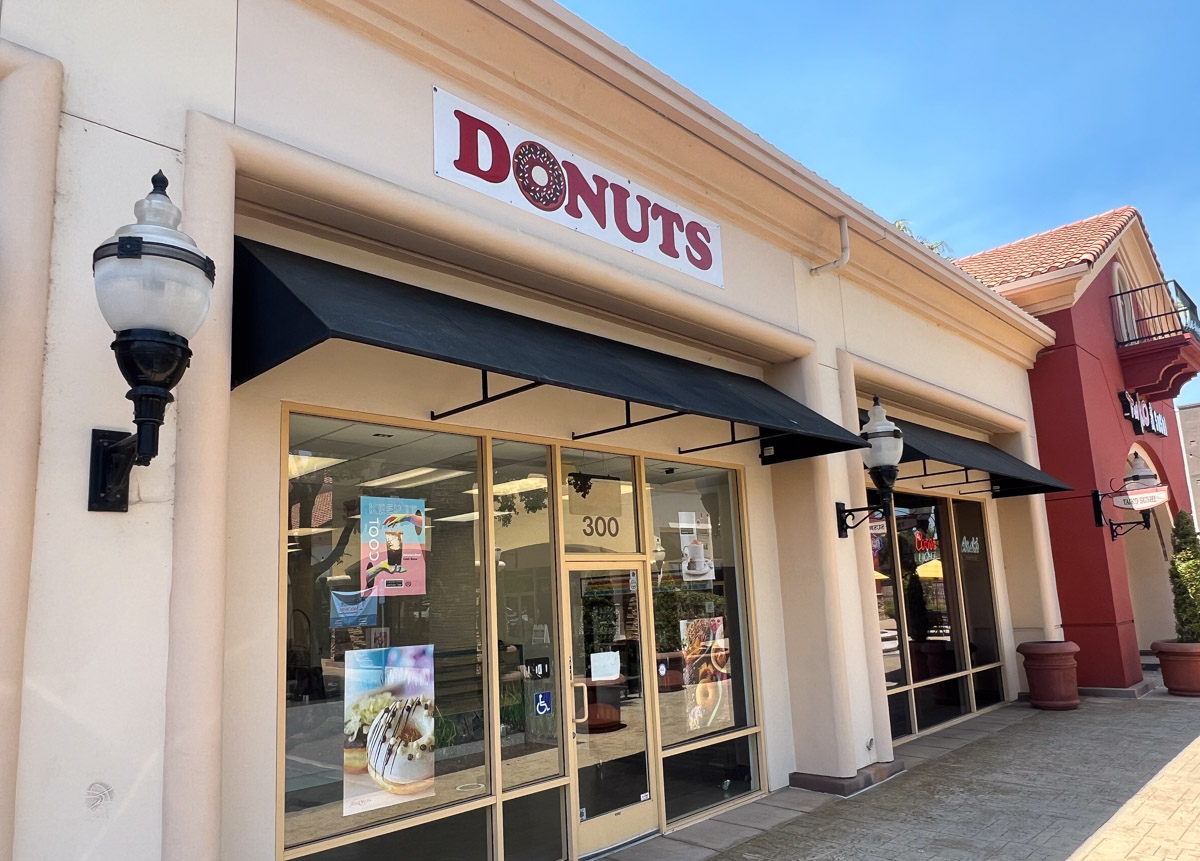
(461, 601)
(495, 515)
(516, 553)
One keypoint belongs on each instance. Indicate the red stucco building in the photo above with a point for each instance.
(1126, 343)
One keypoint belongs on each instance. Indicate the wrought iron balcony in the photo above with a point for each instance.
(1153, 312)
(1158, 339)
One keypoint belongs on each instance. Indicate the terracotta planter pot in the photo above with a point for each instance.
(1050, 668)
(1180, 666)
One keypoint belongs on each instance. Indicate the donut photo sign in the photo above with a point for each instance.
(388, 744)
(481, 151)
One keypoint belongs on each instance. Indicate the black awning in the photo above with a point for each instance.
(1011, 476)
(286, 303)
(1008, 475)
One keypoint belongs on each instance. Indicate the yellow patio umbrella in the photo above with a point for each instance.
(931, 570)
(879, 576)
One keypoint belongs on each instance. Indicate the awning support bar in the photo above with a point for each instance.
(733, 440)
(925, 473)
(486, 399)
(966, 480)
(628, 423)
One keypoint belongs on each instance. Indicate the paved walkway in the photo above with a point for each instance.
(1011, 784)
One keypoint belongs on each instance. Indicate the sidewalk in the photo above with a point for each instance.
(1011, 784)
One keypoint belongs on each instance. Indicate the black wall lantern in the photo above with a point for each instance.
(1139, 492)
(153, 286)
(883, 465)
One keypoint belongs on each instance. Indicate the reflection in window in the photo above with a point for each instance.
(886, 588)
(599, 503)
(701, 659)
(526, 623)
(930, 596)
(976, 578)
(384, 667)
(711, 775)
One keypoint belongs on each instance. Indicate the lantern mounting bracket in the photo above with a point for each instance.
(1116, 528)
(845, 516)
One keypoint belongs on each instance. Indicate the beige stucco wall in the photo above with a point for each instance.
(129, 654)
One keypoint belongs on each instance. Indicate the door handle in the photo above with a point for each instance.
(577, 685)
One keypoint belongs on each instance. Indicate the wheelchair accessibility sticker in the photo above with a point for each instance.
(543, 703)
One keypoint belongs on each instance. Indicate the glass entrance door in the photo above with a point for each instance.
(608, 674)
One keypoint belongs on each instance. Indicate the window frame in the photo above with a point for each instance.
(495, 798)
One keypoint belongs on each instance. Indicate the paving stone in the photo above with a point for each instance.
(758, 815)
(962, 732)
(1033, 786)
(663, 849)
(715, 834)
(940, 739)
(798, 799)
(919, 748)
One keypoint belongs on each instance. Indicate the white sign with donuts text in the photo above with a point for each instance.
(477, 149)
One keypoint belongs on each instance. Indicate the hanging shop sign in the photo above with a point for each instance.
(1141, 415)
(1139, 499)
(479, 150)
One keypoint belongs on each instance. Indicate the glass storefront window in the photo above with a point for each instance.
(702, 662)
(899, 716)
(534, 828)
(385, 655)
(886, 580)
(943, 577)
(942, 701)
(465, 837)
(976, 578)
(526, 623)
(698, 779)
(600, 506)
(390, 665)
(930, 593)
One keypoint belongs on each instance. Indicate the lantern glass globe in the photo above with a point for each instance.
(887, 443)
(151, 275)
(1140, 475)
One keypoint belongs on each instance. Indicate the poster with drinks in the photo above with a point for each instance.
(388, 740)
(394, 542)
(695, 543)
(707, 683)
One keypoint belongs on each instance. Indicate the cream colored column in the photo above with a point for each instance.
(826, 673)
(866, 568)
(192, 762)
(30, 105)
(1040, 527)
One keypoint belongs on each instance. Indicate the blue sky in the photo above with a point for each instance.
(979, 128)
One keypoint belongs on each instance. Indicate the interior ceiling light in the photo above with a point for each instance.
(463, 518)
(303, 463)
(415, 477)
(517, 485)
(310, 530)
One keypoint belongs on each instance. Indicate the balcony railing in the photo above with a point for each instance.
(1153, 312)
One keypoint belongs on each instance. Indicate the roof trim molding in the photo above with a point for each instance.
(592, 51)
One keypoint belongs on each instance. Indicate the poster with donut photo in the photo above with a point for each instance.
(707, 684)
(388, 740)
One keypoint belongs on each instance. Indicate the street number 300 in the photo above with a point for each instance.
(601, 526)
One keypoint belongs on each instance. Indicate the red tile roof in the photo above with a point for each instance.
(1081, 242)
